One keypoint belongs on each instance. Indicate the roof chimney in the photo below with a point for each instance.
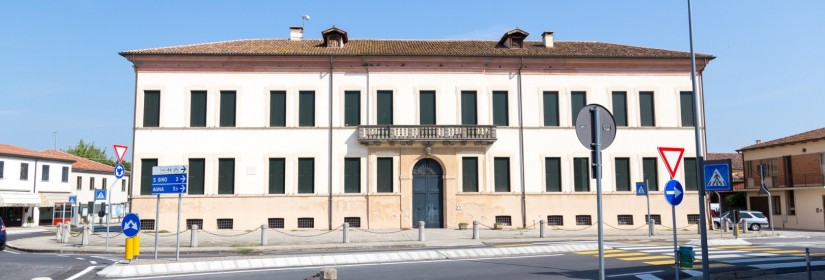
(758, 141)
(296, 33)
(547, 39)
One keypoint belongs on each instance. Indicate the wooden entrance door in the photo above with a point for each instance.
(428, 198)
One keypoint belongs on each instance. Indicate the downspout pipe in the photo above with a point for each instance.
(521, 148)
(329, 157)
(134, 130)
(367, 121)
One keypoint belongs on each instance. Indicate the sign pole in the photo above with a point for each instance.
(177, 240)
(770, 199)
(649, 220)
(157, 223)
(721, 224)
(675, 248)
(109, 211)
(598, 172)
(64, 213)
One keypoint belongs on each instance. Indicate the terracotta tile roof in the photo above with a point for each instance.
(735, 159)
(21, 152)
(375, 47)
(813, 135)
(81, 163)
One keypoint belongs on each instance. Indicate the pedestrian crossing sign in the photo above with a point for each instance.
(641, 189)
(100, 194)
(717, 175)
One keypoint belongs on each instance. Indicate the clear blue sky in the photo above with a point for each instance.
(59, 68)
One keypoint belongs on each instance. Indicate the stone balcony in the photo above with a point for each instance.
(427, 134)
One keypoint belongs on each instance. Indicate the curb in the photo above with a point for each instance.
(720, 242)
(741, 274)
(125, 270)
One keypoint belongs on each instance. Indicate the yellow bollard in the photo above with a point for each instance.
(130, 243)
(136, 247)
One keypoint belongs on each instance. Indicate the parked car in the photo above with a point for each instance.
(2, 235)
(756, 220)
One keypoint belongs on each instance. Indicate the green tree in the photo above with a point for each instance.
(92, 152)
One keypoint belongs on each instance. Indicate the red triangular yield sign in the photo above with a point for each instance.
(120, 150)
(672, 157)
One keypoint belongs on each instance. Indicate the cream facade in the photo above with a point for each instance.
(512, 179)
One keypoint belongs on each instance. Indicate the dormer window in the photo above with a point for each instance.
(513, 39)
(334, 37)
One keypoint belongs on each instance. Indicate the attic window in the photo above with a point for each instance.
(334, 37)
(513, 39)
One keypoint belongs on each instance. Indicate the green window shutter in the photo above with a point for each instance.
(427, 107)
(151, 108)
(197, 110)
(306, 108)
(352, 175)
(686, 100)
(690, 174)
(502, 174)
(277, 108)
(384, 107)
(581, 174)
(647, 112)
(578, 99)
(500, 108)
(146, 175)
(306, 175)
(620, 108)
(551, 108)
(352, 108)
(277, 176)
(552, 174)
(384, 178)
(226, 176)
(469, 170)
(468, 108)
(227, 108)
(622, 174)
(650, 173)
(197, 170)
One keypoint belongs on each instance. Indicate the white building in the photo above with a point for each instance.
(302, 133)
(31, 183)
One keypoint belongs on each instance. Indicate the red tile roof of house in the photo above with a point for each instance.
(82, 164)
(808, 136)
(22, 152)
(735, 159)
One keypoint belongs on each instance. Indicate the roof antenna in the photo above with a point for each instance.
(304, 18)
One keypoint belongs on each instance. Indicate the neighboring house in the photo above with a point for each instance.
(312, 133)
(91, 175)
(793, 171)
(31, 184)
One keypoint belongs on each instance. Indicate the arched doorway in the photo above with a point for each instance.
(428, 198)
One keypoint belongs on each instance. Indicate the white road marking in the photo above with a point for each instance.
(648, 277)
(80, 259)
(81, 273)
(785, 265)
(693, 273)
(762, 259)
(635, 273)
(11, 252)
(93, 262)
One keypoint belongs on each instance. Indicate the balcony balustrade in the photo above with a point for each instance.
(375, 134)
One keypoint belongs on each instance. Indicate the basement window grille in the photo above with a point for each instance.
(504, 220)
(225, 223)
(276, 222)
(693, 219)
(147, 224)
(625, 220)
(583, 220)
(657, 219)
(191, 222)
(354, 222)
(555, 220)
(306, 222)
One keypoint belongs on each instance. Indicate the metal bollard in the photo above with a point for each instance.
(264, 228)
(346, 232)
(808, 262)
(744, 226)
(651, 226)
(420, 230)
(193, 240)
(67, 232)
(724, 225)
(541, 228)
(84, 240)
(59, 233)
(475, 230)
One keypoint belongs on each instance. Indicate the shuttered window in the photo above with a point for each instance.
(197, 169)
(686, 100)
(352, 108)
(622, 174)
(306, 175)
(63, 178)
(306, 108)
(690, 174)
(384, 108)
(384, 177)
(647, 112)
(352, 175)
(578, 99)
(2, 166)
(502, 174)
(650, 173)
(277, 177)
(277, 108)
(551, 108)
(151, 108)
(226, 176)
(620, 108)
(427, 107)
(197, 109)
(500, 108)
(227, 108)
(468, 107)
(581, 175)
(45, 174)
(469, 174)
(552, 174)
(145, 176)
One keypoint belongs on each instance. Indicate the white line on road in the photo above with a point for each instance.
(635, 273)
(80, 259)
(786, 265)
(762, 259)
(93, 262)
(11, 252)
(81, 273)
(648, 277)
(346, 265)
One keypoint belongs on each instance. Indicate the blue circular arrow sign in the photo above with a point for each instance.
(130, 225)
(119, 171)
(674, 192)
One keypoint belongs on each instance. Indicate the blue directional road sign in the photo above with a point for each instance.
(717, 175)
(130, 225)
(73, 199)
(100, 194)
(641, 189)
(674, 192)
(119, 171)
(169, 179)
